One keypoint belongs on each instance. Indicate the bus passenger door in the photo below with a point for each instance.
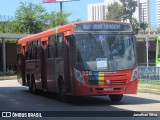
(23, 65)
(43, 66)
(68, 62)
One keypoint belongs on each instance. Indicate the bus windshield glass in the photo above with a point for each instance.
(104, 52)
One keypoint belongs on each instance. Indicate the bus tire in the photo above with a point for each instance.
(62, 94)
(32, 86)
(116, 98)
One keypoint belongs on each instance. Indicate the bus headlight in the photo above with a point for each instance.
(78, 75)
(134, 74)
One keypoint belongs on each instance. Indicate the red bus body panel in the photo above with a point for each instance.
(119, 83)
(46, 71)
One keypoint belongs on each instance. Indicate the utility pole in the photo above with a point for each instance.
(147, 46)
(61, 9)
(61, 6)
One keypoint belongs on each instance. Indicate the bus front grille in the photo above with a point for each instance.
(103, 82)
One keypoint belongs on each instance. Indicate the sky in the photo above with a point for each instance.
(78, 9)
(153, 13)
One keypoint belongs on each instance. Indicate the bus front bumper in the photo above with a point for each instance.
(91, 90)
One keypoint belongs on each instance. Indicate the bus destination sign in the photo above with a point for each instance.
(102, 27)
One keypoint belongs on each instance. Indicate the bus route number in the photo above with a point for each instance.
(86, 73)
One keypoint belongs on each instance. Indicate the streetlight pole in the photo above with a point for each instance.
(146, 40)
(61, 10)
(61, 6)
(147, 46)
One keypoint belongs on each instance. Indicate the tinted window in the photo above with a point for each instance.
(19, 53)
(51, 46)
(60, 45)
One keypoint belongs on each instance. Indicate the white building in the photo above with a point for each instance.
(144, 10)
(97, 11)
(158, 13)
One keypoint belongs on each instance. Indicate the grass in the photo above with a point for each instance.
(8, 77)
(149, 86)
(149, 82)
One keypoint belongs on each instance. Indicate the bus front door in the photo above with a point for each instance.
(69, 64)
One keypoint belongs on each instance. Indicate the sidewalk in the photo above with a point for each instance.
(10, 83)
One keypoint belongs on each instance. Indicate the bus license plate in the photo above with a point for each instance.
(108, 89)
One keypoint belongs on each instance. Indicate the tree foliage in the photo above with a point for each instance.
(4, 26)
(138, 26)
(32, 18)
(135, 26)
(115, 11)
(143, 26)
(56, 19)
(129, 7)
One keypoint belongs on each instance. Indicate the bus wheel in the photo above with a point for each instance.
(62, 93)
(116, 98)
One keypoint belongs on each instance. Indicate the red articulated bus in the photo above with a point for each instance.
(80, 59)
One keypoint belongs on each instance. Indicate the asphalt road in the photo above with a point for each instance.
(14, 97)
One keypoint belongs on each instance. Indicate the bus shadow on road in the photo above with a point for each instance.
(98, 100)
(104, 100)
(82, 101)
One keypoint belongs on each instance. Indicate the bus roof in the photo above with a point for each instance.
(35, 36)
(112, 21)
(67, 29)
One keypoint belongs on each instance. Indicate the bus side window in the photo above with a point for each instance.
(28, 51)
(34, 50)
(31, 47)
(51, 46)
(59, 44)
(38, 50)
(19, 53)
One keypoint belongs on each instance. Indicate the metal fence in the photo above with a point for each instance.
(150, 73)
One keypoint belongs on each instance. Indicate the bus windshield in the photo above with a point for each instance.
(104, 52)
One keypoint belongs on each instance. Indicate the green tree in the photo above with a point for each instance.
(135, 26)
(56, 19)
(5, 27)
(61, 18)
(143, 26)
(78, 20)
(115, 11)
(129, 7)
(10, 27)
(31, 17)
